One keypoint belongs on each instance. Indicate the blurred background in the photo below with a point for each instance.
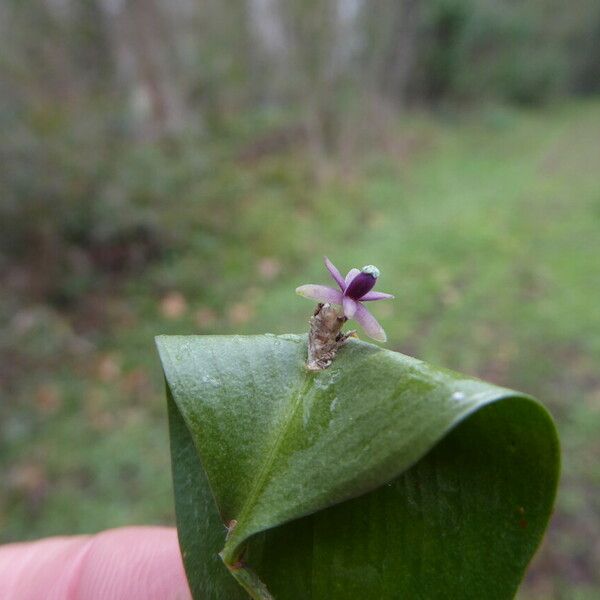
(180, 166)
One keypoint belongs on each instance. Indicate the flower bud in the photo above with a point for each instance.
(362, 283)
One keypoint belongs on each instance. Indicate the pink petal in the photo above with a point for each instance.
(369, 323)
(369, 296)
(335, 273)
(321, 293)
(350, 306)
(352, 273)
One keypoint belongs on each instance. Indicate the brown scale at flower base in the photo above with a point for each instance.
(325, 337)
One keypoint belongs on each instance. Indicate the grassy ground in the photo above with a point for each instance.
(486, 228)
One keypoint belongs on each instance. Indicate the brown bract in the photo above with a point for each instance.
(325, 337)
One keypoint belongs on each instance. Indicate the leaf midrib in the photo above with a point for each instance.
(233, 542)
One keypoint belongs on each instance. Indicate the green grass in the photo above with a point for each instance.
(487, 229)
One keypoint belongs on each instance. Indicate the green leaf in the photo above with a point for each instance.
(379, 478)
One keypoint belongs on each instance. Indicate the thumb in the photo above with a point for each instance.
(132, 563)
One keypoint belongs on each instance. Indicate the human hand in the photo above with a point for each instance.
(131, 563)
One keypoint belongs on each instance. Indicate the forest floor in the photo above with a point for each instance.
(487, 230)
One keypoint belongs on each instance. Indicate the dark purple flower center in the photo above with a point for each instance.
(360, 285)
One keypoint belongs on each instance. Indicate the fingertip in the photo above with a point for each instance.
(131, 563)
(134, 563)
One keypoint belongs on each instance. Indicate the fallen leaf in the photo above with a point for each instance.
(109, 367)
(205, 317)
(48, 398)
(136, 383)
(269, 268)
(28, 478)
(240, 313)
(173, 305)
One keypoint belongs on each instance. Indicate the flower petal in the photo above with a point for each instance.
(335, 273)
(352, 273)
(370, 296)
(369, 323)
(321, 293)
(350, 307)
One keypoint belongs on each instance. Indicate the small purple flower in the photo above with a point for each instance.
(355, 288)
